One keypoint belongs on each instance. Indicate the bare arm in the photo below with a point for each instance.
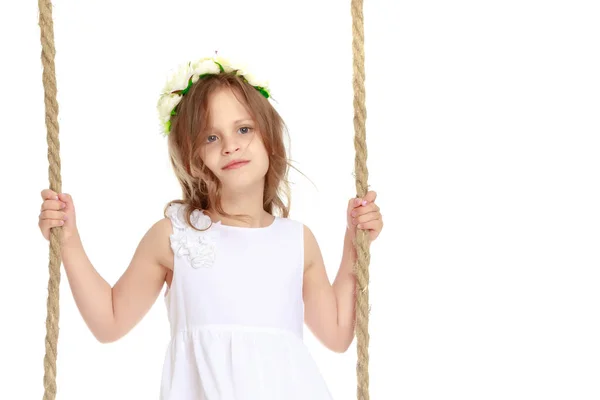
(329, 309)
(110, 313)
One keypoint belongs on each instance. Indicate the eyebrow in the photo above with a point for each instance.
(236, 122)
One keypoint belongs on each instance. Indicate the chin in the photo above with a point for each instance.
(242, 181)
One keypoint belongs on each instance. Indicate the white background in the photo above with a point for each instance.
(483, 135)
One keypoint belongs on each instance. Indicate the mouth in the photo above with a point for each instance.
(235, 164)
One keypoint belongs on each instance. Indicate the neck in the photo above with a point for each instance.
(247, 202)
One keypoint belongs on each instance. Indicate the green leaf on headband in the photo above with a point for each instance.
(262, 91)
(220, 66)
(187, 89)
(204, 75)
(168, 126)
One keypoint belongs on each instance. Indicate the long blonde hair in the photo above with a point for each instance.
(200, 187)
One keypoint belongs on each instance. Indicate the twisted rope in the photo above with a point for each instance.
(51, 106)
(362, 174)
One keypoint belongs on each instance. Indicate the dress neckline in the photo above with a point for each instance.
(247, 228)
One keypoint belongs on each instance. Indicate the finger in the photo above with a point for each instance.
(67, 199)
(374, 234)
(53, 205)
(364, 209)
(371, 225)
(51, 223)
(361, 219)
(370, 196)
(355, 202)
(48, 194)
(53, 215)
(363, 201)
(64, 197)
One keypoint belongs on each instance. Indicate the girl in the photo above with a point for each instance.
(241, 277)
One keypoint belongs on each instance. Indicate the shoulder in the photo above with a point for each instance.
(296, 226)
(308, 234)
(156, 242)
(162, 228)
(292, 228)
(312, 252)
(157, 239)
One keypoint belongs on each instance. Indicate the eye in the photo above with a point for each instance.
(245, 129)
(211, 138)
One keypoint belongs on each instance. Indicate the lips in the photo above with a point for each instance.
(236, 164)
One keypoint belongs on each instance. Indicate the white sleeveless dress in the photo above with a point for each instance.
(236, 313)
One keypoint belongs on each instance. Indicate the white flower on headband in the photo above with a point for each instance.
(203, 66)
(179, 79)
(180, 82)
(254, 81)
(231, 65)
(227, 64)
(166, 104)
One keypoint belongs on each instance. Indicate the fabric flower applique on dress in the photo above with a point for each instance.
(198, 246)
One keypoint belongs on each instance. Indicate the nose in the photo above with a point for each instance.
(230, 146)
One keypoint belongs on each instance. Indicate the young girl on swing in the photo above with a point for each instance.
(242, 277)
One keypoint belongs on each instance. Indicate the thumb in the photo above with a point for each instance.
(371, 196)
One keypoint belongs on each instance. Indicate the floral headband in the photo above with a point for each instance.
(181, 81)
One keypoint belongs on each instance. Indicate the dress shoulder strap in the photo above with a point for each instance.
(195, 245)
(177, 214)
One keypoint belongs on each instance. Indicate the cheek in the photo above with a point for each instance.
(259, 147)
(263, 155)
(259, 153)
(210, 157)
(265, 165)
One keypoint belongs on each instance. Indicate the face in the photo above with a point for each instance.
(234, 150)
